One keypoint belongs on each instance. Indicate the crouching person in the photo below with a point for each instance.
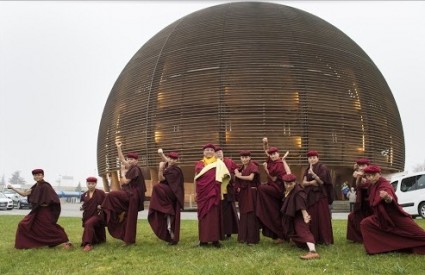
(93, 220)
(295, 219)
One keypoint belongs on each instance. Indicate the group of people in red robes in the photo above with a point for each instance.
(378, 221)
(282, 208)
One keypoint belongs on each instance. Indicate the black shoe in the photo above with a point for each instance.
(228, 236)
(216, 244)
(203, 244)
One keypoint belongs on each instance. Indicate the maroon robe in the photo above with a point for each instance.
(167, 200)
(293, 224)
(249, 227)
(93, 220)
(389, 228)
(208, 198)
(229, 218)
(361, 210)
(39, 227)
(269, 201)
(129, 200)
(317, 205)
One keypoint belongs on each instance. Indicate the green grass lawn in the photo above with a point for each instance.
(152, 256)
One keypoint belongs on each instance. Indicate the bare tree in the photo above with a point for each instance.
(419, 167)
(16, 178)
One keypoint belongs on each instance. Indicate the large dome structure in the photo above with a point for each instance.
(234, 73)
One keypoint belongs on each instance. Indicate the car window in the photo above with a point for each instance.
(420, 183)
(408, 184)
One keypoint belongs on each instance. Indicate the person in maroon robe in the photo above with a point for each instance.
(229, 214)
(389, 228)
(361, 206)
(93, 220)
(167, 201)
(211, 179)
(247, 180)
(295, 218)
(39, 228)
(315, 177)
(270, 194)
(121, 207)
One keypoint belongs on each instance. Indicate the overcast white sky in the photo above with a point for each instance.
(59, 62)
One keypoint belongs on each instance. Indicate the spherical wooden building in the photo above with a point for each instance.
(234, 73)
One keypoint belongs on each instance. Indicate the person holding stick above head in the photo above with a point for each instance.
(270, 194)
(93, 220)
(121, 207)
(167, 200)
(39, 228)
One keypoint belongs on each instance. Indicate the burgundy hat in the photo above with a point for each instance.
(312, 153)
(272, 150)
(372, 169)
(362, 161)
(133, 155)
(209, 145)
(218, 148)
(37, 171)
(289, 178)
(245, 153)
(173, 155)
(91, 179)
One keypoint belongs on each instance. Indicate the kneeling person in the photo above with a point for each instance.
(93, 221)
(295, 219)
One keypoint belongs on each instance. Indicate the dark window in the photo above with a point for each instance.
(408, 184)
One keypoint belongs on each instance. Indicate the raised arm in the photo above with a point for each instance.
(161, 171)
(285, 164)
(23, 193)
(266, 145)
(120, 154)
(162, 155)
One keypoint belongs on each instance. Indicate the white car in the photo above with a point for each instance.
(5, 202)
(410, 191)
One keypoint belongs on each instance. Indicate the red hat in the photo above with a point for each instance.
(133, 155)
(37, 171)
(272, 150)
(218, 148)
(372, 169)
(289, 178)
(312, 153)
(245, 153)
(209, 145)
(91, 179)
(362, 161)
(173, 155)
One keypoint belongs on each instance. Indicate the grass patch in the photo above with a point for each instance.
(152, 256)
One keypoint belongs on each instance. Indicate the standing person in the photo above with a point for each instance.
(40, 228)
(270, 194)
(247, 180)
(229, 215)
(315, 177)
(351, 195)
(295, 218)
(211, 179)
(167, 200)
(93, 220)
(361, 207)
(122, 207)
(389, 228)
